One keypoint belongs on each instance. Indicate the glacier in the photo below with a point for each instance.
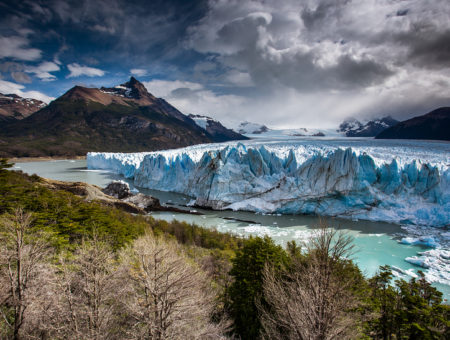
(405, 182)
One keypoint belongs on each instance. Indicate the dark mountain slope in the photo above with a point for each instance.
(434, 125)
(122, 119)
(219, 132)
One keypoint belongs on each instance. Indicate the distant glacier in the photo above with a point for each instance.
(404, 182)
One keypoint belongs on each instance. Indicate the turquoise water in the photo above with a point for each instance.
(375, 243)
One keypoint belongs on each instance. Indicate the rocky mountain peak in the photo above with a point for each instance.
(138, 89)
(132, 89)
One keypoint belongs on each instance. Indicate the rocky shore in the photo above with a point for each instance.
(116, 194)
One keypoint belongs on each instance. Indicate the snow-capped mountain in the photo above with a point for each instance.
(219, 132)
(13, 106)
(302, 132)
(122, 118)
(354, 128)
(248, 128)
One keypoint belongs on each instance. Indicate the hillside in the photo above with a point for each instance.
(121, 119)
(219, 132)
(434, 125)
(14, 107)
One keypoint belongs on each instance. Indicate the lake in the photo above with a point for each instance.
(376, 243)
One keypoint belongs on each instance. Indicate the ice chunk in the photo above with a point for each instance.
(437, 261)
(425, 241)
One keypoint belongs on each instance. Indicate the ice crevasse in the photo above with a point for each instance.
(342, 182)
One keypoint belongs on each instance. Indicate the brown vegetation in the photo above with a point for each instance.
(316, 297)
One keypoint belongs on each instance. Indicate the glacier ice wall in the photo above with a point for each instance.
(290, 179)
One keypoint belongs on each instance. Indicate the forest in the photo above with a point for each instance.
(72, 269)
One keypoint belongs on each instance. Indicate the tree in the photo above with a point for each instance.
(385, 301)
(411, 310)
(87, 293)
(4, 164)
(247, 288)
(169, 297)
(23, 272)
(317, 297)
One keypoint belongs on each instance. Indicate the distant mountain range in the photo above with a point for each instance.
(248, 128)
(433, 125)
(124, 118)
(219, 132)
(14, 107)
(354, 128)
(127, 118)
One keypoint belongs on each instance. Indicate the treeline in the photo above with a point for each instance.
(149, 289)
(79, 270)
(319, 293)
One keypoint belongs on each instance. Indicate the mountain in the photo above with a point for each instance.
(219, 132)
(124, 118)
(434, 125)
(250, 128)
(354, 128)
(13, 106)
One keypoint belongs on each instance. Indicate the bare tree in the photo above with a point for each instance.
(87, 293)
(314, 299)
(23, 272)
(169, 297)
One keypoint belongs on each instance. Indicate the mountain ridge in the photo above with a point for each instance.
(14, 107)
(352, 127)
(125, 118)
(434, 125)
(216, 129)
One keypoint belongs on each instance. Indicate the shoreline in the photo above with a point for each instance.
(43, 159)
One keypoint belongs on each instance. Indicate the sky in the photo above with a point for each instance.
(286, 64)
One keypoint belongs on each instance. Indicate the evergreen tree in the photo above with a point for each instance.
(4, 164)
(408, 310)
(247, 288)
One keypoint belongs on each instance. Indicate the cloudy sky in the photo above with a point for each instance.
(290, 63)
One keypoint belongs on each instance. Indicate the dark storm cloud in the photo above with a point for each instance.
(431, 50)
(310, 62)
(139, 30)
(248, 42)
(360, 73)
(354, 57)
(312, 17)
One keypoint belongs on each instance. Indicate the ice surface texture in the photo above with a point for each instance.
(405, 183)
